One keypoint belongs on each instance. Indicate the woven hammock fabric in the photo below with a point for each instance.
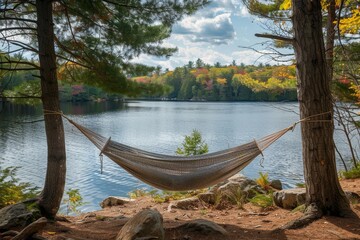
(177, 173)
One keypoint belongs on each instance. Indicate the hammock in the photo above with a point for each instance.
(177, 173)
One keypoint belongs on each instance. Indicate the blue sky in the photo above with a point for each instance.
(214, 34)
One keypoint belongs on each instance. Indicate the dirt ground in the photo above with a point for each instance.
(248, 223)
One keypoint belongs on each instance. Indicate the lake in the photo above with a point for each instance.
(153, 126)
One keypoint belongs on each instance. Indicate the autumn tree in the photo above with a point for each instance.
(324, 195)
(94, 40)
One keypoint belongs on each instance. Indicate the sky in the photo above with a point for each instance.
(214, 34)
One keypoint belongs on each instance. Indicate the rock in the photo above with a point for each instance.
(18, 215)
(186, 204)
(147, 224)
(203, 226)
(115, 201)
(276, 184)
(207, 197)
(289, 198)
(292, 198)
(237, 183)
(353, 197)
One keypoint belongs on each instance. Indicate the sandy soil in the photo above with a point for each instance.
(248, 223)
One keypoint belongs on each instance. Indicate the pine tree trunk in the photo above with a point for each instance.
(52, 193)
(322, 186)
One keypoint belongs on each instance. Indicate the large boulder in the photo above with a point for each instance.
(18, 215)
(115, 201)
(289, 198)
(147, 224)
(239, 183)
(292, 198)
(203, 226)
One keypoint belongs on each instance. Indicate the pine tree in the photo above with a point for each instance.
(93, 41)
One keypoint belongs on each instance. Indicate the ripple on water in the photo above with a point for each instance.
(152, 126)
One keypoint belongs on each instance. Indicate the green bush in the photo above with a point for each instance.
(262, 200)
(351, 174)
(12, 190)
(193, 145)
(73, 201)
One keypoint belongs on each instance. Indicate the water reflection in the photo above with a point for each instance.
(153, 126)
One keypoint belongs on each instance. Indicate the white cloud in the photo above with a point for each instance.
(216, 30)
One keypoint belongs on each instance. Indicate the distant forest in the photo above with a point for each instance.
(196, 81)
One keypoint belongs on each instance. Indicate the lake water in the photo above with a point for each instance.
(154, 126)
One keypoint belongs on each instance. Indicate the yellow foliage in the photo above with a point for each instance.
(221, 81)
(356, 94)
(286, 5)
(351, 24)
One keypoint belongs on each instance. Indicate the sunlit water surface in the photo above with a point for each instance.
(154, 126)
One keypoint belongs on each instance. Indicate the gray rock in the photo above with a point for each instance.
(147, 224)
(186, 204)
(18, 215)
(203, 226)
(237, 183)
(115, 201)
(207, 197)
(290, 198)
(276, 184)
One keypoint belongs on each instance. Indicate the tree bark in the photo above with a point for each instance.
(52, 193)
(330, 36)
(322, 185)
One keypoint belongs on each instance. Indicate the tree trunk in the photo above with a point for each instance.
(330, 36)
(52, 193)
(322, 185)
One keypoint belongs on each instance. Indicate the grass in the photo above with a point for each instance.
(164, 196)
(351, 174)
(263, 200)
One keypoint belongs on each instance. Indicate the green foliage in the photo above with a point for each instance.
(300, 185)
(193, 145)
(138, 193)
(236, 196)
(73, 201)
(352, 173)
(263, 200)
(264, 181)
(12, 190)
(164, 196)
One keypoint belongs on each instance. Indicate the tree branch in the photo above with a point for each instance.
(276, 37)
(9, 61)
(17, 28)
(18, 19)
(18, 69)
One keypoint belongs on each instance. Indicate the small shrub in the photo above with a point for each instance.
(236, 197)
(264, 181)
(73, 201)
(351, 174)
(262, 200)
(138, 193)
(193, 145)
(12, 190)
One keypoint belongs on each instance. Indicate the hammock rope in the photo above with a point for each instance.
(178, 173)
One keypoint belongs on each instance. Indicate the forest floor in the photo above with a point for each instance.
(248, 223)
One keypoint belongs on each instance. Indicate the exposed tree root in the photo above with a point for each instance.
(31, 229)
(312, 213)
